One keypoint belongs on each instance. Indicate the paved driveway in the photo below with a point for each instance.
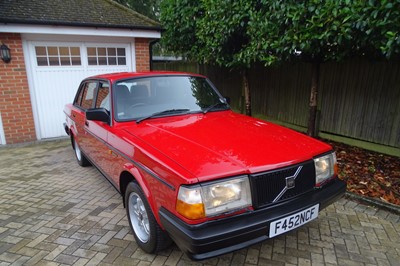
(54, 212)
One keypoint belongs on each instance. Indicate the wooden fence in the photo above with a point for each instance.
(359, 99)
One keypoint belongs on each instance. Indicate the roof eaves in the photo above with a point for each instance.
(79, 24)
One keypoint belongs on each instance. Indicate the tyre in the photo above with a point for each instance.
(82, 161)
(148, 234)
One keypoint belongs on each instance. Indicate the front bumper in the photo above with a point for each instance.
(218, 237)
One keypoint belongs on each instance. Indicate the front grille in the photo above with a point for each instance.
(267, 186)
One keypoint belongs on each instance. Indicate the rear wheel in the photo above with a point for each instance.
(148, 234)
(82, 161)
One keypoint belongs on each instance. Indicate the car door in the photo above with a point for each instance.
(100, 153)
(83, 102)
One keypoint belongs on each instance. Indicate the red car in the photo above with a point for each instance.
(190, 169)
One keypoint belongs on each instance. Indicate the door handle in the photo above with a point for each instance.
(86, 123)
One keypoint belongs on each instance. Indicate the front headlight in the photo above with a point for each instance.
(210, 199)
(325, 168)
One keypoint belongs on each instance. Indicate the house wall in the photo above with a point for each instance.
(15, 101)
(142, 55)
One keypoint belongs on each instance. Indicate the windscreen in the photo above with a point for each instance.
(170, 95)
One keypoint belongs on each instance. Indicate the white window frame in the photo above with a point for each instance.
(106, 56)
(47, 56)
(128, 59)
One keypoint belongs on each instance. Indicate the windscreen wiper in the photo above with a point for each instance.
(209, 108)
(165, 112)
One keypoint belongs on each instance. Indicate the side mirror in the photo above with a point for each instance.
(98, 114)
(228, 100)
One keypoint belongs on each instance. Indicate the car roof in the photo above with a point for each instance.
(126, 75)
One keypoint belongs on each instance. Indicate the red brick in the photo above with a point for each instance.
(16, 107)
(142, 55)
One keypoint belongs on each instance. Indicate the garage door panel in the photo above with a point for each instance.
(2, 138)
(58, 69)
(54, 89)
(98, 71)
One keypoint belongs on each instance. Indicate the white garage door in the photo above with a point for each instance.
(57, 70)
(2, 138)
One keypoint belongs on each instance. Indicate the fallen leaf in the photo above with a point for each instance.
(368, 173)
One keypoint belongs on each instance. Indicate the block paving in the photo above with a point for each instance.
(54, 212)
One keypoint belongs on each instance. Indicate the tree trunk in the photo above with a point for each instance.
(311, 131)
(246, 87)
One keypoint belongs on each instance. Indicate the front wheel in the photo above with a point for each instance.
(148, 234)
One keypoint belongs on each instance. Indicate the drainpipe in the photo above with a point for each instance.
(151, 44)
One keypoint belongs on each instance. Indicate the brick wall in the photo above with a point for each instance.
(142, 54)
(15, 102)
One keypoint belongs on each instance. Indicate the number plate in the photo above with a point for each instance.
(293, 221)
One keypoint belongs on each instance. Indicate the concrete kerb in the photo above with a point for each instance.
(31, 143)
(374, 202)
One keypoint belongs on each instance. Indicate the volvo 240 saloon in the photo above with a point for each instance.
(192, 170)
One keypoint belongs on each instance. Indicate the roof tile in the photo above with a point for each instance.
(89, 13)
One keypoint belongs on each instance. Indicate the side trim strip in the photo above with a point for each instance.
(137, 164)
(150, 172)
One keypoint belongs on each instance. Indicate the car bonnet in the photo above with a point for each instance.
(220, 144)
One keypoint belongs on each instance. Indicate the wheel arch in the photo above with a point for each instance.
(72, 134)
(130, 174)
(124, 179)
(71, 137)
